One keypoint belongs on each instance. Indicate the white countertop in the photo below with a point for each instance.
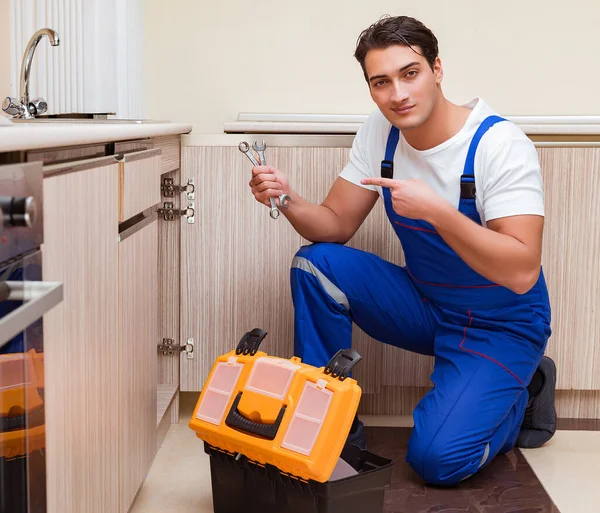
(30, 136)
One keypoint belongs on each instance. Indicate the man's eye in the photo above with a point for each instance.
(379, 83)
(412, 74)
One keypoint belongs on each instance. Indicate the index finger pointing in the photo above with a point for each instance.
(383, 182)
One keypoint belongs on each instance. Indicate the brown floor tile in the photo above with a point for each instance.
(506, 485)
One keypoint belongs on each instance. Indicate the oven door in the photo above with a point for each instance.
(24, 299)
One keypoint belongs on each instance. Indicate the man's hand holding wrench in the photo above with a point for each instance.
(260, 149)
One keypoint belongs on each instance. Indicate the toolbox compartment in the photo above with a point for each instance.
(240, 485)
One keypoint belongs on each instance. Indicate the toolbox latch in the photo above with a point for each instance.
(250, 342)
(342, 363)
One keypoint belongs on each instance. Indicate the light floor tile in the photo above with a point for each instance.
(568, 467)
(179, 480)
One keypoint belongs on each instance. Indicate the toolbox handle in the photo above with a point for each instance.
(341, 364)
(250, 342)
(236, 420)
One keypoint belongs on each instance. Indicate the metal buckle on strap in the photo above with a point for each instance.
(387, 169)
(467, 187)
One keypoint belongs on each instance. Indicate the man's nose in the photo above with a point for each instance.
(399, 93)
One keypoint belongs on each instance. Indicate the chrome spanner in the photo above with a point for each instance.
(245, 148)
(260, 149)
(284, 199)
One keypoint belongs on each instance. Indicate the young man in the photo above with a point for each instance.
(463, 191)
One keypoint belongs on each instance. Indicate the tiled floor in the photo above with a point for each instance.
(563, 476)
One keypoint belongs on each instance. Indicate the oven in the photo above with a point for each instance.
(24, 299)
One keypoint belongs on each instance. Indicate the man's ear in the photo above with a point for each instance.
(438, 70)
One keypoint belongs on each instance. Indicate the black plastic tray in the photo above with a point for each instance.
(239, 485)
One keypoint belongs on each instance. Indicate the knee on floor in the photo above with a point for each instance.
(437, 462)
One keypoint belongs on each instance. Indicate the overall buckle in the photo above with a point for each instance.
(387, 169)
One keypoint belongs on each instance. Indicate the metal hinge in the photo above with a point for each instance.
(170, 212)
(169, 348)
(169, 188)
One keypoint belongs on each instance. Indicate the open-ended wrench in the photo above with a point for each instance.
(245, 148)
(260, 149)
(284, 198)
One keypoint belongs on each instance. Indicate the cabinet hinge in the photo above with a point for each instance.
(169, 188)
(169, 212)
(169, 348)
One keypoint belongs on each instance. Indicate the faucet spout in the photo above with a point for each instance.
(27, 60)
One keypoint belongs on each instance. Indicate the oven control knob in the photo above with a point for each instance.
(18, 211)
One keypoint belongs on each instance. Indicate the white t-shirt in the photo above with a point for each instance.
(508, 178)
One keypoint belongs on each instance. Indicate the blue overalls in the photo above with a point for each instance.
(487, 341)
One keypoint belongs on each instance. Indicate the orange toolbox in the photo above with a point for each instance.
(22, 430)
(288, 422)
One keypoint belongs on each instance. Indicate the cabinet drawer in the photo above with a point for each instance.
(171, 152)
(67, 154)
(139, 182)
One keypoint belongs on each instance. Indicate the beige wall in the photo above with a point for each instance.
(5, 89)
(207, 61)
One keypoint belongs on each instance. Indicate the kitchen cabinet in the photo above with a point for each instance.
(235, 268)
(102, 243)
(82, 336)
(137, 356)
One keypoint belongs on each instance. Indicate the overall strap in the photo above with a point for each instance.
(387, 165)
(467, 180)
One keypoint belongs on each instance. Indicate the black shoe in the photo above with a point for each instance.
(357, 436)
(539, 424)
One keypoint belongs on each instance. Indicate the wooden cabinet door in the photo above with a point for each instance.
(571, 263)
(137, 358)
(81, 337)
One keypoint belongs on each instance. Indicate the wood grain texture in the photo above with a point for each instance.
(81, 341)
(130, 146)
(138, 335)
(163, 427)
(139, 185)
(165, 395)
(571, 262)
(578, 404)
(58, 155)
(169, 250)
(171, 152)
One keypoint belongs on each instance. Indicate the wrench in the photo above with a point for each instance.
(284, 199)
(245, 148)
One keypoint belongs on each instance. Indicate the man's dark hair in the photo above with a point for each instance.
(399, 30)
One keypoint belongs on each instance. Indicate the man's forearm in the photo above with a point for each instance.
(315, 223)
(500, 258)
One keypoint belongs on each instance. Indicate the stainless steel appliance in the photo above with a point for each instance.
(24, 299)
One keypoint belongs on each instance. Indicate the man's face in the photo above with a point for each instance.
(403, 85)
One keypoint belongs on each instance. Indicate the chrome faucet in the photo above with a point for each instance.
(26, 108)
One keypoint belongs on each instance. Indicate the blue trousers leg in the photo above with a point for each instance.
(483, 363)
(334, 286)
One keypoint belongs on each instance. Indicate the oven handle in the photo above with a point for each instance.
(39, 297)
